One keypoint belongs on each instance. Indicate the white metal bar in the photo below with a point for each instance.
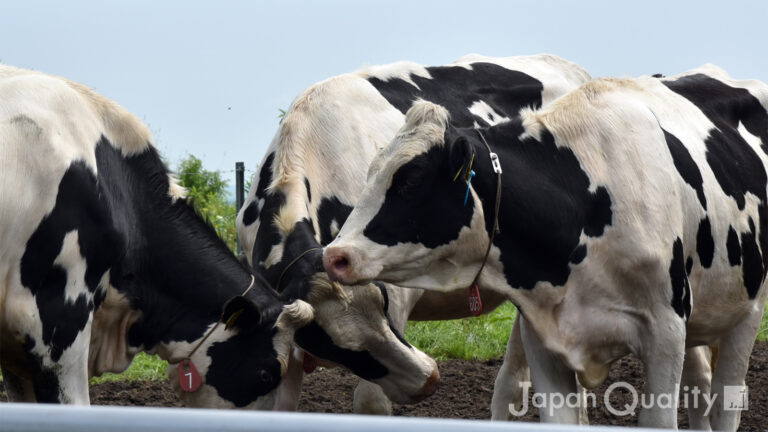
(45, 418)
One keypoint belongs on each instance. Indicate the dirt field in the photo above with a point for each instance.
(465, 392)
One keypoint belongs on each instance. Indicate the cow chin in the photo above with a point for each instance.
(399, 384)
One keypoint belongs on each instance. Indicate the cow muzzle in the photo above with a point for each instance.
(429, 388)
(345, 264)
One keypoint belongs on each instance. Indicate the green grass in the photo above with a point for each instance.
(144, 367)
(483, 337)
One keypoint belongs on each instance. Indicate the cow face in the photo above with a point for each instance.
(242, 361)
(352, 328)
(411, 226)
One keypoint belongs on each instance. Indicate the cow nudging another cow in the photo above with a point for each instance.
(313, 173)
(102, 257)
(632, 218)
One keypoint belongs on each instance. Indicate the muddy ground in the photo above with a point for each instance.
(465, 392)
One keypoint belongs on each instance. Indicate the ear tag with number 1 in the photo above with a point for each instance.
(189, 378)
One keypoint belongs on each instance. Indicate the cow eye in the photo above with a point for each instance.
(408, 185)
(265, 376)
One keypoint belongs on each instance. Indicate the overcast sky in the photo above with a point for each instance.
(209, 77)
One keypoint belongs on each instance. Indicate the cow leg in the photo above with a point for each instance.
(551, 377)
(697, 377)
(287, 396)
(662, 353)
(731, 368)
(507, 389)
(18, 389)
(369, 398)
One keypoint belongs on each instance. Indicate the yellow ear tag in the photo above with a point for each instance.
(457, 173)
(233, 318)
(468, 176)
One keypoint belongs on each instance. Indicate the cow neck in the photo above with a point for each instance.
(302, 255)
(176, 271)
(486, 184)
(496, 166)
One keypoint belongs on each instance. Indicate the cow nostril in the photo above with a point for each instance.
(340, 264)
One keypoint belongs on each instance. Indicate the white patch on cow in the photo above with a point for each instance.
(334, 228)
(752, 140)
(486, 112)
(74, 264)
(274, 257)
(400, 70)
(175, 190)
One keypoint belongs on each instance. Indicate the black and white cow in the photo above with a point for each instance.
(102, 257)
(313, 173)
(632, 219)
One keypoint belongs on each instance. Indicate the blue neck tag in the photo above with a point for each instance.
(469, 181)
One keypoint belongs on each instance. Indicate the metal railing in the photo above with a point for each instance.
(45, 418)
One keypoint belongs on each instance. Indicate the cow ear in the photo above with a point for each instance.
(461, 156)
(241, 313)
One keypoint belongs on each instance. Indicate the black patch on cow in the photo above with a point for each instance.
(546, 203)
(244, 367)
(579, 254)
(316, 341)
(291, 274)
(251, 212)
(705, 244)
(420, 190)
(724, 105)
(78, 208)
(680, 286)
(735, 164)
(45, 381)
(733, 246)
(330, 210)
(457, 88)
(309, 190)
(599, 214)
(752, 265)
(686, 166)
(689, 265)
(396, 332)
(267, 235)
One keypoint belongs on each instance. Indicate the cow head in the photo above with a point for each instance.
(411, 225)
(352, 328)
(243, 360)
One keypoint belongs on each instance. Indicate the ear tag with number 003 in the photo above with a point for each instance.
(475, 302)
(189, 378)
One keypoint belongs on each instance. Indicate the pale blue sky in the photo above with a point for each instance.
(208, 77)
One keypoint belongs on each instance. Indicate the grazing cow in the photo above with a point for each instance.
(312, 175)
(102, 257)
(632, 216)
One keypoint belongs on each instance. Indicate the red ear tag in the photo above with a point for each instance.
(475, 302)
(189, 378)
(308, 363)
